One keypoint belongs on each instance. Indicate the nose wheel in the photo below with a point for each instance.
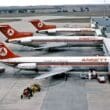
(66, 76)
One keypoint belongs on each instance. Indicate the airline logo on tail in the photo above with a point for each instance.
(10, 32)
(3, 51)
(41, 26)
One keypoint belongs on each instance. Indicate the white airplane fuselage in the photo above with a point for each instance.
(67, 29)
(70, 31)
(59, 61)
(37, 40)
(56, 65)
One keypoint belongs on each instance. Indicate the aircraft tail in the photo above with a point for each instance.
(41, 26)
(11, 33)
(5, 52)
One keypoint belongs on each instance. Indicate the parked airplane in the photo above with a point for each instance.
(57, 65)
(52, 29)
(45, 42)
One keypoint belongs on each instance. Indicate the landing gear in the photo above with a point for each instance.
(51, 50)
(66, 76)
(37, 31)
(37, 70)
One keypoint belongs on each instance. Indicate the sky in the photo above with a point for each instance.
(49, 2)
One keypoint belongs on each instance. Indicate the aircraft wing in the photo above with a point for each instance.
(54, 71)
(51, 45)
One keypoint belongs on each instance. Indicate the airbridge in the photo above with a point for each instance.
(106, 46)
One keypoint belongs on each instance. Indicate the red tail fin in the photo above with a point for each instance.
(11, 33)
(5, 52)
(41, 26)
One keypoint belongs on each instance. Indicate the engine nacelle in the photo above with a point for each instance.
(25, 41)
(27, 66)
(51, 31)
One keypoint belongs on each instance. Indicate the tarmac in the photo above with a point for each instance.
(73, 94)
(56, 94)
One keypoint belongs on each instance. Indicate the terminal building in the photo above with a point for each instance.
(54, 9)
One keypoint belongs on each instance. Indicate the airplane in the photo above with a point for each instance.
(55, 65)
(53, 29)
(45, 42)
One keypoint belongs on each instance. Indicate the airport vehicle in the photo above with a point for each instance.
(35, 88)
(55, 65)
(101, 79)
(29, 91)
(53, 29)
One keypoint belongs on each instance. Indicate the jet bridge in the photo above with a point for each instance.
(106, 46)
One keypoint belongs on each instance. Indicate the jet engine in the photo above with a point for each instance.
(27, 66)
(25, 41)
(51, 31)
